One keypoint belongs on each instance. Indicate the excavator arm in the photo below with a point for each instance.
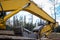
(17, 5)
(34, 9)
(10, 5)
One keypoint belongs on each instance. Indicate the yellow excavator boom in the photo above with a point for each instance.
(17, 5)
(10, 5)
(34, 9)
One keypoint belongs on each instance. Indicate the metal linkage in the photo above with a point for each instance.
(2, 13)
(2, 24)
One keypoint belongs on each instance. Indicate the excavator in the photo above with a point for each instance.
(15, 6)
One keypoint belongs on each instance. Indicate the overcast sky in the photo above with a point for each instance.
(47, 6)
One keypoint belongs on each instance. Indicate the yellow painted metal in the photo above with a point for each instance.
(12, 13)
(18, 5)
(34, 9)
(48, 33)
(2, 24)
(46, 30)
(15, 5)
(56, 25)
(10, 5)
(3, 0)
